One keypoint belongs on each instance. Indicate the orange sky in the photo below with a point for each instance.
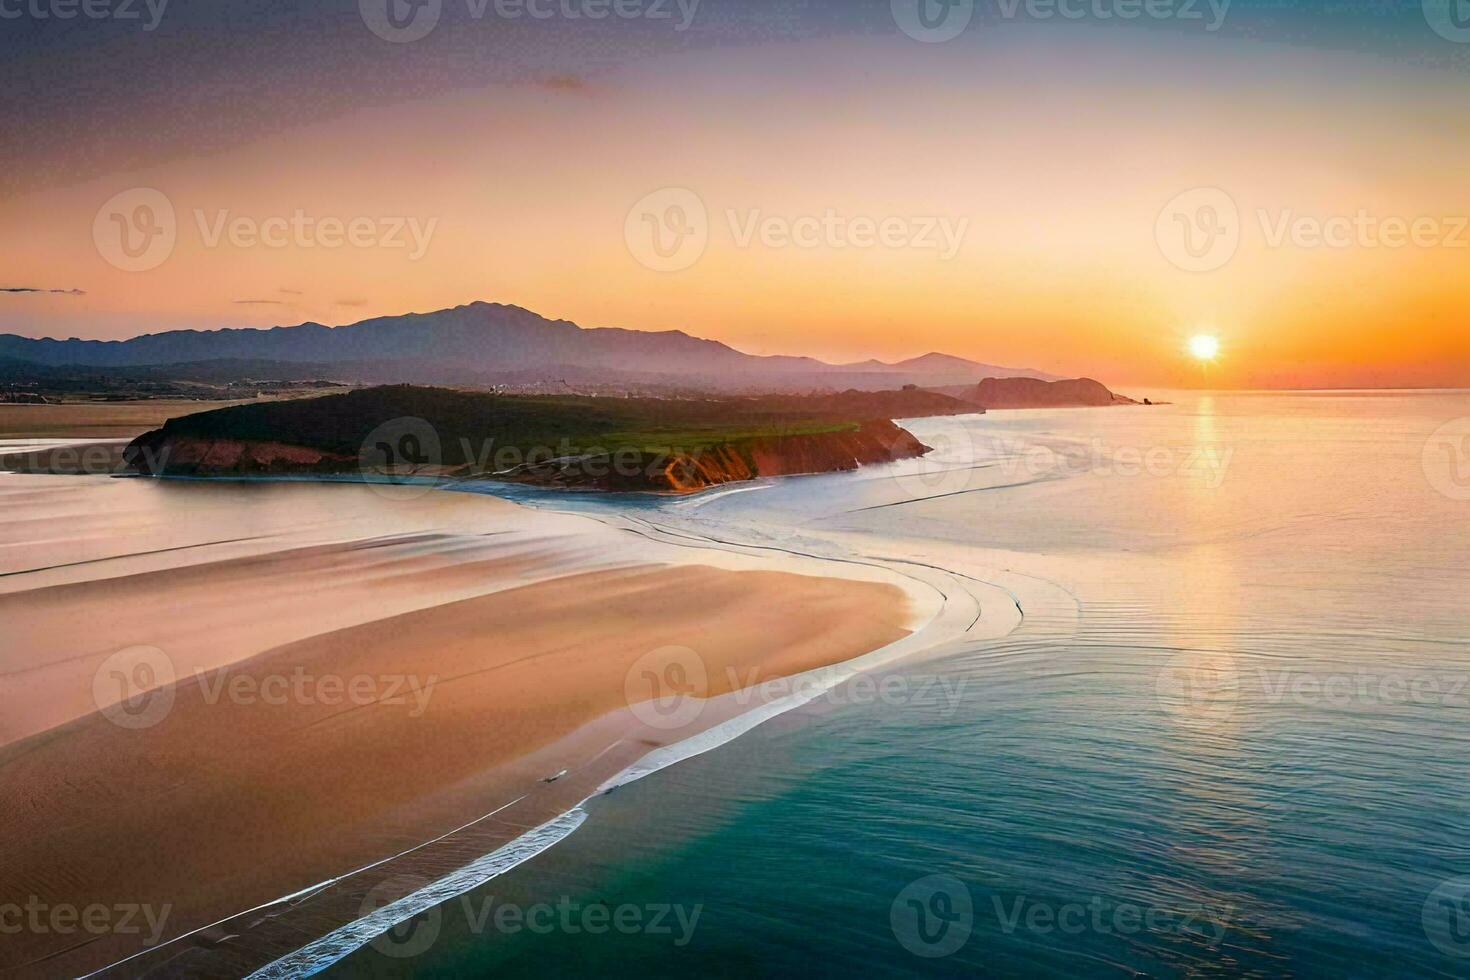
(1055, 151)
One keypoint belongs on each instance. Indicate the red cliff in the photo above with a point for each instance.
(826, 452)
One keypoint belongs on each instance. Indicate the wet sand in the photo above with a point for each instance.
(322, 677)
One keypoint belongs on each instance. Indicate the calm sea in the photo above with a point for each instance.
(1229, 736)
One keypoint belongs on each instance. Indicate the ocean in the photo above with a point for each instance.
(1211, 719)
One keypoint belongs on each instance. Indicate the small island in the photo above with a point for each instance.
(663, 445)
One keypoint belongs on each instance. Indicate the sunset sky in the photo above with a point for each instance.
(518, 147)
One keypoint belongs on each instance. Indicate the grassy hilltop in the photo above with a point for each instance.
(670, 442)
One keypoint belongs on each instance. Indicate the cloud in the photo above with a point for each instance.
(257, 302)
(38, 289)
(565, 83)
(291, 292)
(352, 302)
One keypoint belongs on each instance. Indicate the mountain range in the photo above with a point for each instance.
(491, 343)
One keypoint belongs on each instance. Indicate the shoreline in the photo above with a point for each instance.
(610, 742)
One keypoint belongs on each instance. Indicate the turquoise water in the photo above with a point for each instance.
(1230, 737)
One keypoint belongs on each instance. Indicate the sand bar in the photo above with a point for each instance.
(351, 675)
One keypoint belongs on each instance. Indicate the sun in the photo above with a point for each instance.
(1204, 347)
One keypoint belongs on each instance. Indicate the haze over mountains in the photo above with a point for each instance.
(490, 343)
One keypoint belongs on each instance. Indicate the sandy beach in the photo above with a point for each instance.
(321, 677)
